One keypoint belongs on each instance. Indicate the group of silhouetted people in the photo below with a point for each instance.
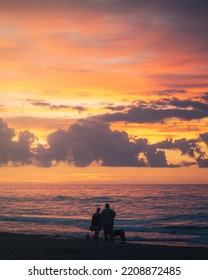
(103, 219)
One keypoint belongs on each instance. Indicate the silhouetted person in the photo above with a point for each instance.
(96, 224)
(107, 221)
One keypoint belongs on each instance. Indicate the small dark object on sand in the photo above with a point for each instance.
(121, 234)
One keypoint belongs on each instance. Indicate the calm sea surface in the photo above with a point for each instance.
(173, 214)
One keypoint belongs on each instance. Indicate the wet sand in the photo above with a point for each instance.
(35, 247)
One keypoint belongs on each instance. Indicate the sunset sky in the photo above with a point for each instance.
(104, 91)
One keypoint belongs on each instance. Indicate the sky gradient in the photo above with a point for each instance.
(104, 91)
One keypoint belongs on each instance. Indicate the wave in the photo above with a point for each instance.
(183, 229)
(62, 198)
(143, 232)
(85, 199)
(127, 225)
(46, 220)
(187, 217)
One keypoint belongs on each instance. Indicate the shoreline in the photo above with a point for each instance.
(15, 246)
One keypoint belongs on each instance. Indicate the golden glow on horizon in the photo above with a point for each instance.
(102, 175)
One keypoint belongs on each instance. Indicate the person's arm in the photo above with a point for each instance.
(113, 213)
(101, 218)
(92, 221)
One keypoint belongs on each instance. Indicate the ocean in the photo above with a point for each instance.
(156, 214)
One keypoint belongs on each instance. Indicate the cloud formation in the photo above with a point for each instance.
(168, 92)
(17, 152)
(158, 111)
(86, 142)
(90, 142)
(202, 162)
(204, 138)
(44, 104)
(188, 147)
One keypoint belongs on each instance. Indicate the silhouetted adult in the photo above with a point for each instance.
(107, 221)
(96, 224)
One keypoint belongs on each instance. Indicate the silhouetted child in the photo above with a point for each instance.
(96, 224)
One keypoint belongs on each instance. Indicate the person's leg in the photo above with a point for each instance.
(105, 228)
(96, 234)
(111, 233)
(123, 237)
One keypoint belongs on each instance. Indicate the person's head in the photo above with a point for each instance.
(107, 206)
(98, 210)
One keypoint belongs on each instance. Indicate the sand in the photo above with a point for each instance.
(33, 247)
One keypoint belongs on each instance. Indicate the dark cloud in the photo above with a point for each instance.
(156, 158)
(204, 137)
(43, 156)
(149, 115)
(6, 135)
(58, 107)
(205, 96)
(42, 103)
(189, 104)
(87, 142)
(79, 108)
(187, 163)
(202, 162)
(22, 152)
(188, 147)
(18, 152)
(116, 108)
(159, 111)
(168, 92)
(167, 144)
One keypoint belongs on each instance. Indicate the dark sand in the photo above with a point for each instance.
(33, 247)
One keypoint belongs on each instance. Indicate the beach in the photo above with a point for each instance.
(35, 247)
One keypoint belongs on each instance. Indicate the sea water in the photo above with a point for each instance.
(166, 214)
